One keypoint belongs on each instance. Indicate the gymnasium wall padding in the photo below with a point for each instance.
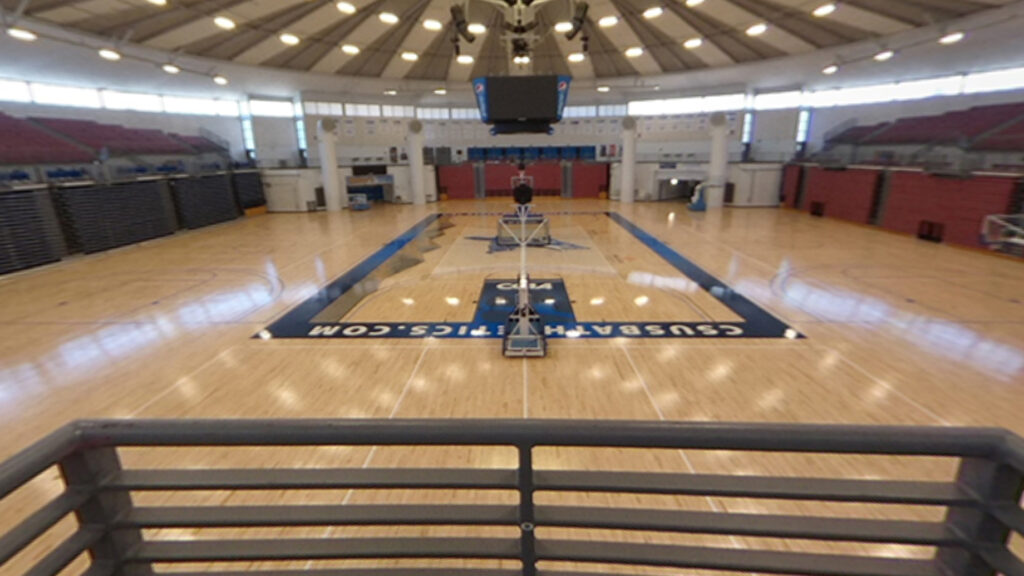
(204, 201)
(588, 180)
(846, 194)
(791, 184)
(960, 204)
(29, 231)
(457, 181)
(547, 178)
(498, 178)
(100, 218)
(248, 187)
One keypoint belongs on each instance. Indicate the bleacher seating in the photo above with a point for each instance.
(1009, 138)
(23, 143)
(118, 140)
(960, 127)
(200, 143)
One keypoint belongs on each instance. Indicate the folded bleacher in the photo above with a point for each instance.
(201, 144)
(857, 134)
(1009, 138)
(24, 143)
(960, 128)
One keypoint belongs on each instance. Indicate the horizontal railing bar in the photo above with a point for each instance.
(739, 560)
(1010, 515)
(764, 525)
(32, 461)
(356, 515)
(311, 478)
(907, 440)
(1003, 561)
(324, 549)
(66, 551)
(16, 538)
(363, 572)
(839, 490)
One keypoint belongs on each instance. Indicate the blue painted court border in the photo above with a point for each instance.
(757, 322)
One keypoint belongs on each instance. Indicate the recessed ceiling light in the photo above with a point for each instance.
(108, 54)
(653, 12)
(220, 80)
(158, 2)
(577, 57)
(608, 21)
(521, 59)
(634, 52)
(884, 55)
(440, 91)
(951, 38)
(830, 69)
(563, 27)
(391, 92)
(22, 34)
(692, 3)
(824, 10)
(604, 89)
(410, 56)
(224, 22)
(433, 25)
(388, 18)
(757, 29)
(289, 39)
(350, 49)
(693, 43)
(464, 59)
(171, 69)
(477, 28)
(346, 8)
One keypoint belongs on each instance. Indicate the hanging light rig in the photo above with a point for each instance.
(520, 26)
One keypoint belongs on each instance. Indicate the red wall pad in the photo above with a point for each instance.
(846, 194)
(458, 180)
(498, 178)
(959, 204)
(547, 177)
(588, 179)
(790, 184)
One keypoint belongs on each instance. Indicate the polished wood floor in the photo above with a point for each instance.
(899, 331)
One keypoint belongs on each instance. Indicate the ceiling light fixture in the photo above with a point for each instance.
(477, 28)
(577, 57)
(289, 39)
(464, 59)
(440, 91)
(951, 38)
(22, 34)
(171, 69)
(388, 18)
(692, 3)
(524, 59)
(757, 29)
(220, 80)
(884, 56)
(109, 54)
(224, 22)
(410, 56)
(158, 2)
(608, 21)
(346, 8)
(350, 49)
(693, 43)
(634, 52)
(391, 92)
(653, 12)
(603, 89)
(432, 25)
(824, 10)
(563, 27)
(830, 69)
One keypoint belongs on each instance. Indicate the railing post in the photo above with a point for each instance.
(992, 483)
(87, 470)
(527, 538)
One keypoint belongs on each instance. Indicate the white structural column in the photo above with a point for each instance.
(414, 144)
(628, 188)
(718, 165)
(334, 195)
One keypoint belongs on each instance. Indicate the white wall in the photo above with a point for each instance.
(774, 136)
(227, 129)
(276, 142)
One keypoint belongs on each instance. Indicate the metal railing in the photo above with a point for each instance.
(982, 503)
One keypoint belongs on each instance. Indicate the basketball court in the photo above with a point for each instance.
(249, 320)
